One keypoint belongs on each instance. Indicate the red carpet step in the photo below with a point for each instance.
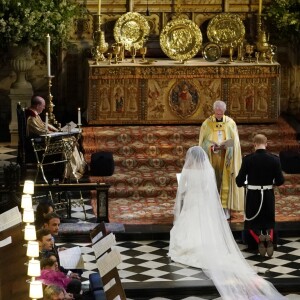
(147, 158)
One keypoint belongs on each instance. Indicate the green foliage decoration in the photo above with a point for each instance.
(27, 22)
(283, 19)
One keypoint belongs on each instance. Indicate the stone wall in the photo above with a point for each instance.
(69, 67)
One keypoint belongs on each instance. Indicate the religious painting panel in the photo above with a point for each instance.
(252, 99)
(117, 100)
(181, 100)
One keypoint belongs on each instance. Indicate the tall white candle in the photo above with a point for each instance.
(46, 123)
(79, 117)
(99, 7)
(260, 7)
(48, 56)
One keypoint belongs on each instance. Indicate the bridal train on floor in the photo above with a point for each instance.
(202, 238)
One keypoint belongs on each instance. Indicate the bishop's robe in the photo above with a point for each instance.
(227, 162)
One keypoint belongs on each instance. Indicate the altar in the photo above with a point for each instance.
(163, 91)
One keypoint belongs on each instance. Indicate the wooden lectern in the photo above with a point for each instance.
(13, 271)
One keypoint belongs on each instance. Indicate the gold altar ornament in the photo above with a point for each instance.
(211, 52)
(143, 52)
(271, 53)
(100, 45)
(181, 39)
(249, 49)
(133, 53)
(116, 50)
(131, 29)
(262, 44)
(225, 30)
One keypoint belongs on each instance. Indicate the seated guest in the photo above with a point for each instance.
(45, 240)
(36, 127)
(50, 274)
(52, 223)
(42, 209)
(54, 292)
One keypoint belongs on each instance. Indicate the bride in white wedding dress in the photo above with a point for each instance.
(202, 238)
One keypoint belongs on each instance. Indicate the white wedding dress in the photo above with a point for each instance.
(202, 238)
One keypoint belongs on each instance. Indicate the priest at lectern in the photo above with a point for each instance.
(36, 127)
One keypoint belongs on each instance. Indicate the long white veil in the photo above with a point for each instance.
(201, 236)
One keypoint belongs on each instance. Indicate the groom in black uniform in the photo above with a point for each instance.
(259, 172)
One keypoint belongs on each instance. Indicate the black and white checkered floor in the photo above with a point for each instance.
(8, 153)
(146, 261)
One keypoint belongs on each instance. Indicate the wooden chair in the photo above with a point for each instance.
(98, 233)
(25, 158)
(110, 283)
(96, 284)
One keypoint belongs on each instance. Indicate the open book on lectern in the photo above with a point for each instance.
(226, 143)
(69, 127)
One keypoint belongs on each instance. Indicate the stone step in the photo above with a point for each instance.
(147, 158)
(134, 179)
(126, 141)
(291, 178)
(289, 189)
(289, 207)
(150, 134)
(137, 193)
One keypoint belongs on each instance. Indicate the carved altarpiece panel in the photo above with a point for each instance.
(171, 93)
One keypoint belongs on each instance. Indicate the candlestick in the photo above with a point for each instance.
(99, 7)
(48, 56)
(50, 104)
(79, 117)
(260, 7)
(46, 123)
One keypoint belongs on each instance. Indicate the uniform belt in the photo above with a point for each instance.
(259, 187)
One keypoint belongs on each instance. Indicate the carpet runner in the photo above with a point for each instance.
(147, 158)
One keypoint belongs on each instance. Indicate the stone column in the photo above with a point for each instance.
(21, 61)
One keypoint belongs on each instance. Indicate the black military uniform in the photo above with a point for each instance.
(262, 170)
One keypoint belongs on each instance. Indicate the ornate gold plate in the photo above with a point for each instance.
(181, 39)
(226, 29)
(131, 29)
(211, 52)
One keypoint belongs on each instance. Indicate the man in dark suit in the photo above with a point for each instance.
(52, 223)
(259, 172)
